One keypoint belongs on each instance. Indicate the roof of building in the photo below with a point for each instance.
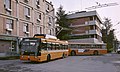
(84, 14)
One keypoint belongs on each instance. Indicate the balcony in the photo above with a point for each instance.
(8, 29)
(93, 23)
(86, 24)
(94, 32)
(79, 25)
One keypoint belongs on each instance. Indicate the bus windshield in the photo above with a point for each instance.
(29, 46)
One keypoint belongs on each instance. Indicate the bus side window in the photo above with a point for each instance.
(66, 46)
(55, 46)
(49, 46)
(44, 46)
(61, 46)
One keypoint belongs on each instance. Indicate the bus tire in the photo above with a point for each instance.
(63, 56)
(95, 52)
(118, 52)
(48, 57)
(73, 53)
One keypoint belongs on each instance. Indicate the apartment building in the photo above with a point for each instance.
(23, 18)
(86, 27)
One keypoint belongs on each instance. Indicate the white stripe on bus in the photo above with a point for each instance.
(44, 51)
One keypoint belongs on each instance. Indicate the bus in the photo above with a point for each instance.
(118, 49)
(86, 49)
(43, 47)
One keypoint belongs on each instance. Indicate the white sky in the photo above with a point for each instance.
(112, 12)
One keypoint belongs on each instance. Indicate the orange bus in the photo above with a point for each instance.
(43, 47)
(86, 49)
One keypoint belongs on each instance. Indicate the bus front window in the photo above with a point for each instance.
(29, 47)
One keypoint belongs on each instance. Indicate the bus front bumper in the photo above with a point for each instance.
(30, 58)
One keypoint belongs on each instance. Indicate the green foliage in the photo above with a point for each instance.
(108, 34)
(110, 41)
(61, 17)
(63, 22)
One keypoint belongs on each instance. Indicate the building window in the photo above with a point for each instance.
(26, 34)
(47, 9)
(91, 27)
(38, 30)
(8, 12)
(9, 24)
(7, 5)
(38, 3)
(91, 36)
(26, 1)
(27, 12)
(26, 28)
(49, 21)
(13, 46)
(39, 17)
(8, 32)
(91, 18)
(50, 31)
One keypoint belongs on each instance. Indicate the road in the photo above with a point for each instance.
(103, 63)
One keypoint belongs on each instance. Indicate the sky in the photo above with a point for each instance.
(111, 12)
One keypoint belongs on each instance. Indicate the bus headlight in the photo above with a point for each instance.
(22, 56)
(35, 56)
(28, 56)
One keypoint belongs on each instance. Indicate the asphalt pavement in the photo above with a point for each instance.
(102, 63)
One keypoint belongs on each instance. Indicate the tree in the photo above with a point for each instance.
(108, 34)
(62, 20)
(110, 41)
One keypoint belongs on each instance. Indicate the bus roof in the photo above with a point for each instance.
(46, 36)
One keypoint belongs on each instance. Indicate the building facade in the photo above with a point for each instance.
(23, 18)
(86, 27)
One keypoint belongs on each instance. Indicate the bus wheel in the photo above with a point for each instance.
(48, 58)
(63, 56)
(73, 53)
(118, 52)
(95, 53)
